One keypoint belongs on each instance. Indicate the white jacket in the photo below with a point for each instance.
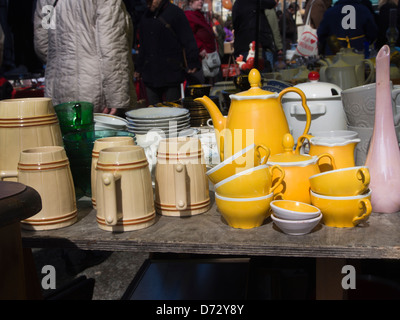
(87, 51)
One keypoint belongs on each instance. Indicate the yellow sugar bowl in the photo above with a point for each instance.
(244, 213)
(341, 182)
(298, 169)
(343, 212)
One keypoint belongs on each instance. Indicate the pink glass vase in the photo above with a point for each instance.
(383, 158)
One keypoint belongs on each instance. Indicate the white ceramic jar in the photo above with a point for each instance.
(325, 104)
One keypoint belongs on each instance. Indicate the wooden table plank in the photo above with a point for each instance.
(208, 233)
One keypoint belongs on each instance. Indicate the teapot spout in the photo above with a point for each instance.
(219, 121)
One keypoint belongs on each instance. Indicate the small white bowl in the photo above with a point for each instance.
(294, 210)
(110, 121)
(296, 227)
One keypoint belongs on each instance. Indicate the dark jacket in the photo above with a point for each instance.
(331, 25)
(160, 60)
(244, 14)
(383, 23)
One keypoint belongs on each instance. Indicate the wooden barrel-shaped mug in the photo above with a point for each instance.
(47, 170)
(26, 123)
(99, 145)
(124, 191)
(181, 184)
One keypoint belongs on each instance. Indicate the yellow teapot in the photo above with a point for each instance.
(255, 116)
(298, 170)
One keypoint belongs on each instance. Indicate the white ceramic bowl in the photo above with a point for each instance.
(294, 210)
(109, 121)
(296, 227)
(347, 134)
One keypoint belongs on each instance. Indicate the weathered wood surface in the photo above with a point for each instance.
(208, 233)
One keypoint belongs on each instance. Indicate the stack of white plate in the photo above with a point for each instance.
(165, 120)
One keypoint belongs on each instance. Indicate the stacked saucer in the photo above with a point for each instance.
(165, 120)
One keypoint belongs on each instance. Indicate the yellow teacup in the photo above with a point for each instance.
(341, 182)
(253, 182)
(245, 159)
(244, 213)
(343, 212)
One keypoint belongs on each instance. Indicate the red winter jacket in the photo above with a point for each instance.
(202, 31)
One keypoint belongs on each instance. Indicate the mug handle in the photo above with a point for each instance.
(265, 158)
(78, 114)
(327, 155)
(110, 197)
(303, 103)
(8, 174)
(180, 186)
(364, 176)
(280, 179)
(367, 211)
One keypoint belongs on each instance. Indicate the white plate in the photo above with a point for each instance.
(159, 121)
(166, 127)
(156, 113)
(168, 131)
(109, 120)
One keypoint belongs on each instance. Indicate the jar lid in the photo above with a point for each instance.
(314, 89)
(289, 157)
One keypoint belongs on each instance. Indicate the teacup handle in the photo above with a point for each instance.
(8, 174)
(110, 197)
(180, 186)
(265, 158)
(279, 196)
(327, 155)
(367, 211)
(280, 179)
(364, 176)
(78, 114)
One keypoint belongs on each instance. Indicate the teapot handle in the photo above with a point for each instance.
(323, 73)
(303, 103)
(371, 74)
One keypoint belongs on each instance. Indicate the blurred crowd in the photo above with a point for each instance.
(118, 51)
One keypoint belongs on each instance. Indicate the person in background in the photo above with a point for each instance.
(87, 52)
(204, 35)
(332, 35)
(318, 8)
(272, 18)
(167, 51)
(383, 21)
(290, 26)
(244, 13)
(219, 34)
(228, 31)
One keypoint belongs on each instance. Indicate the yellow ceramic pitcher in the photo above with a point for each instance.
(341, 149)
(255, 116)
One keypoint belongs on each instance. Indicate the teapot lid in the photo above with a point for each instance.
(289, 156)
(255, 90)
